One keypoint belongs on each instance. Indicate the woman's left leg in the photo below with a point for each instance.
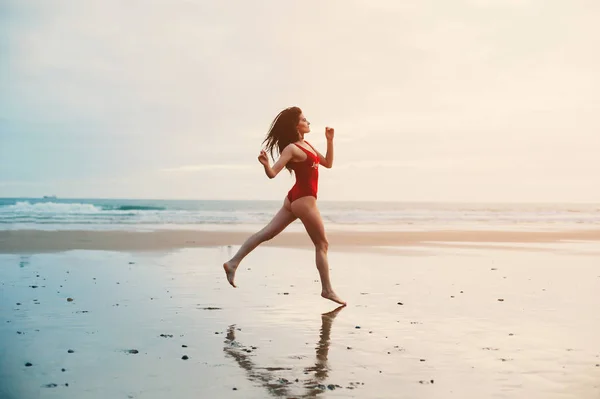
(279, 222)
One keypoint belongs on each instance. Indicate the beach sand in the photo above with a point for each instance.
(475, 318)
(36, 241)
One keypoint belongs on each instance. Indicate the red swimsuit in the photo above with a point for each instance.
(307, 175)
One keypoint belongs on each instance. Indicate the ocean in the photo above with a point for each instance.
(147, 215)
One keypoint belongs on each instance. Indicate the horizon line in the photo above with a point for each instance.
(320, 200)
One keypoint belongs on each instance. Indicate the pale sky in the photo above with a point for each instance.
(431, 100)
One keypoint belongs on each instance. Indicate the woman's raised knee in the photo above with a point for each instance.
(270, 235)
(322, 245)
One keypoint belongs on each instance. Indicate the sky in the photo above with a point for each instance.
(431, 100)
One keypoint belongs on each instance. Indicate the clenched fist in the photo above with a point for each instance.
(263, 159)
(329, 133)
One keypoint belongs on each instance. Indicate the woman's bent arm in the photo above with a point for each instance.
(284, 158)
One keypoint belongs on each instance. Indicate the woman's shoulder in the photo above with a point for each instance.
(290, 147)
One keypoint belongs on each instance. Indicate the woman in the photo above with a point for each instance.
(286, 136)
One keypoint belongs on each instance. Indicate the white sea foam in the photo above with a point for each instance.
(144, 215)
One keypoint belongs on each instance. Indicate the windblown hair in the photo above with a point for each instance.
(283, 131)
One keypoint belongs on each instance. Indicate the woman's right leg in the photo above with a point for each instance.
(279, 222)
(306, 209)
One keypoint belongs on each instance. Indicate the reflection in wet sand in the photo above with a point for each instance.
(266, 376)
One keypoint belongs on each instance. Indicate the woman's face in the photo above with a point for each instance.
(303, 125)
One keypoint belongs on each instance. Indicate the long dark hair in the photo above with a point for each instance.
(283, 131)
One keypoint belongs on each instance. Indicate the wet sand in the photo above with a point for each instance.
(432, 322)
(36, 241)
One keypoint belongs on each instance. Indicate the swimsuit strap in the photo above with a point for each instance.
(308, 152)
(310, 145)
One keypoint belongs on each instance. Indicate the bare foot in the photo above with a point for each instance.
(230, 269)
(333, 297)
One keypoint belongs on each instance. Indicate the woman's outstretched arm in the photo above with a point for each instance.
(284, 158)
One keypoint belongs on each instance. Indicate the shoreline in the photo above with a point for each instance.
(37, 241)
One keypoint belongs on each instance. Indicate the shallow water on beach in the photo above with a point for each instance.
(447, 323)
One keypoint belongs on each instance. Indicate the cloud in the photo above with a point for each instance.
(422, 164)
(205, 167)
(170, 96)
